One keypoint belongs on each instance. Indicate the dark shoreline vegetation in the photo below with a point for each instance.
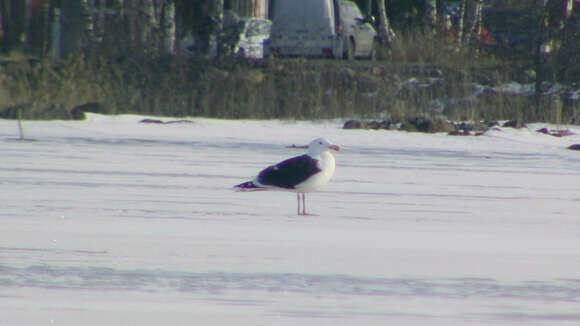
(298, 89)
(506, 60)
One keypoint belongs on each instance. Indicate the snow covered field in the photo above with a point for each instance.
(113, 222)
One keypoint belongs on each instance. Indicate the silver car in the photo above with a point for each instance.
(359, 33)
(245, 38)
(251, 43)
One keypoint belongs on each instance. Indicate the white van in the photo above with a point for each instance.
(321, 28)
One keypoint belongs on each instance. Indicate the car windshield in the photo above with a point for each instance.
(303, 17)
(258, 28)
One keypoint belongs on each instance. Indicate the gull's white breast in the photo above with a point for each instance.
(327, 165)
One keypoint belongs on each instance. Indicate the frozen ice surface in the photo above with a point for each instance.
(112, 222)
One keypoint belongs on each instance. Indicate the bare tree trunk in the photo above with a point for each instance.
(109, 27)
(472, 17)
(555, 20)
(56, 34)
(566, 13)
(142, 25)
(72, 24)
(99, 20)
(37, 27)
(26, 25)
(218, 18)
(149, 22)
(168, 27)
(539, 58)
(569, 33)
(476, 24)
(1, 22)
(461, 22)
(89, 20)
(369, 7)
(551, 42)
(430, 16)
(130, 23)
(386, 33)
(13, 23)
(568, 8)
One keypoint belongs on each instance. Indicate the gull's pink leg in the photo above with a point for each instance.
(298, 199)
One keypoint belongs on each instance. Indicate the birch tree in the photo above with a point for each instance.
(430, 16)
(149, 21)
(168, 28)
(470, 25)
(461, 22)
(89, 25)
(386, 33)
(552, 35)
(56, 33)
(217, 19)
(476, 25)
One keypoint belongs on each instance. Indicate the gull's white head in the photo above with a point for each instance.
(319, 146)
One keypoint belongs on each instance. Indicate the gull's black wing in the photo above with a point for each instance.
(287, 174)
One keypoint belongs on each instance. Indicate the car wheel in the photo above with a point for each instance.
(349, 48)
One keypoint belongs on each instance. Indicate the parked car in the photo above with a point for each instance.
(246, 37)
(322, 28)
(251, 43)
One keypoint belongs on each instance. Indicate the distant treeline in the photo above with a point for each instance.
(159, 27)
(154, 57)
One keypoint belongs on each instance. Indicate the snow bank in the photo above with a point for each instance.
(109, 221)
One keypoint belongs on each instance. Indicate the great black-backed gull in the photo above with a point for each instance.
(300, 174)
